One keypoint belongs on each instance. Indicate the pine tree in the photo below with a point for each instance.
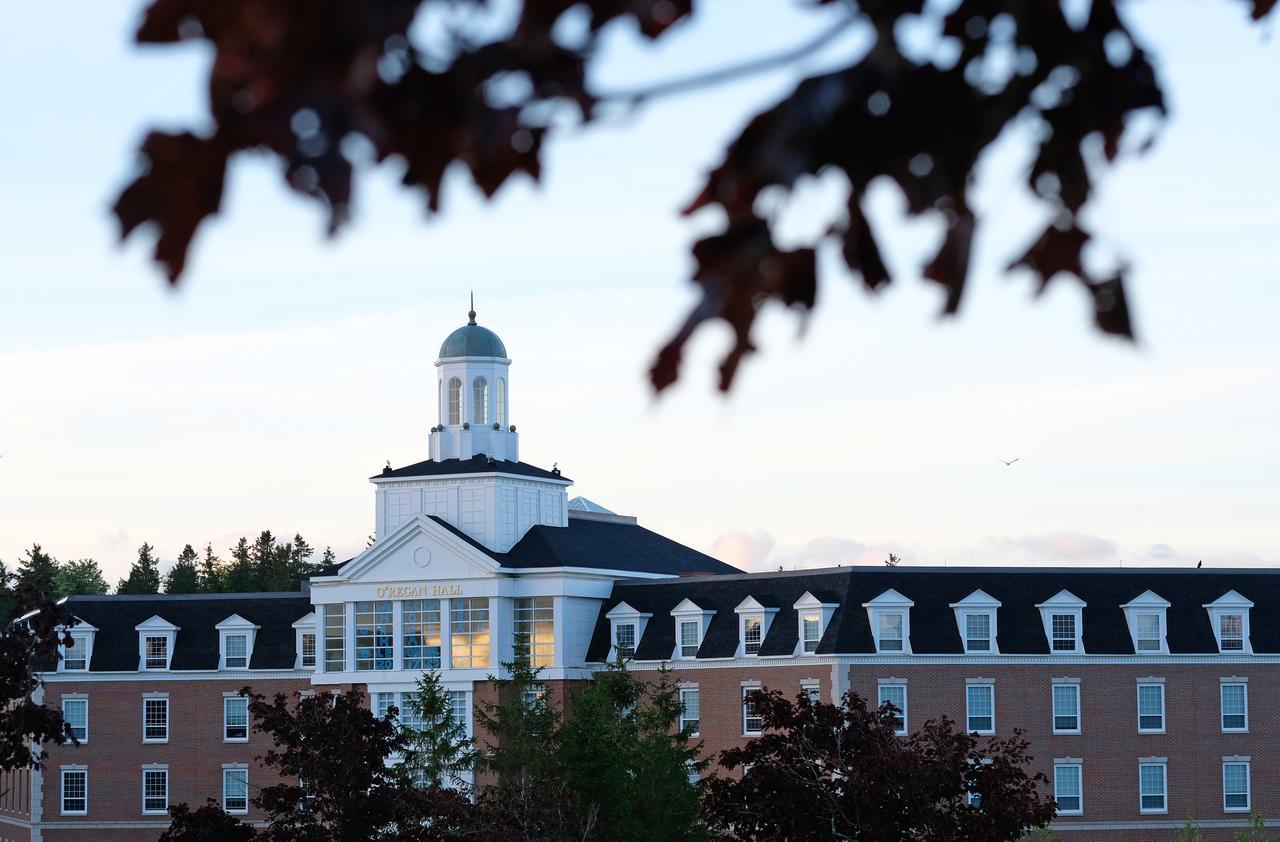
(328, 557)
(82, 576)
(438, 749)
(240, 576)
(40, 568)
(270, 564)
(300, 566)
(211, 573)
(183, 577)
(144, 575)
(7, 598)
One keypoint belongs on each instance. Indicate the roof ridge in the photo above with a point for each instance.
(178, 597)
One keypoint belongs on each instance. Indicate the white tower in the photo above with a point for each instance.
(473, 390)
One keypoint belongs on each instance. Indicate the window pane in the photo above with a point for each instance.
(74, 656)
(235, 790)
(500, 406)
(155, 719)
(1150, 707)
(981, 703)
(891, 632)
(1234, 707)
(421, 618)
(479, 401)
(1151, 786)
(455, 401)
(977, 632)
(460, 708)
(689, 639)
(76, 714)
(1235, 786)
(1231, 632)
(626, 642)
(373, 635)
(308, 649)
(535, 618)
(1066, 787)
(157, 649)
(812, 631)
(1148, 628)
(469, 632)
(1066, 707)
(1064, 632)
(752, 633)
(155, 790)
(335, 638)
(690, 702)
(235, 718)
(75, 791)
(752, 722)
(237, 651)
(896, 695)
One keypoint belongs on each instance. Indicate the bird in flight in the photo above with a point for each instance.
(1010, 462)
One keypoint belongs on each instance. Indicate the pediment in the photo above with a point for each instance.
(235, 621)
(977, 599)
(889, 599)
(1230, 599)
(688, 606)
(1148, 599)
(420, 548)
(155, 623)
(1063, 599)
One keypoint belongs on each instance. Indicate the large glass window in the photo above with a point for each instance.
(812, 627)
(690, 709)
(1235, 786)
(157, 652)
(460, 708)
(1151, 785)
(1148, 629)
(896, 695)
(1066, 708)
(75, 712)
(1068, 788)
(155, 719)
(1231, 632)
(689, 642)
(235, 790)
(535, 618)
(1235, 707)
(75, 791)
(469, 632)
(335, 638)
(752, 634)
(374, 635)
(235, 719)
(455, 401)
(155, 790)
(1151, 707)
(1064, 632)
(890, 632)
(981, 703)
(977, 632)
(75, 656)
(421, 634)
(752, 721)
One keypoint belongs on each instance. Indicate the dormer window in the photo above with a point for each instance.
(157, 657)
(890, 616)
(236, 636)
(77, 656)
(1229, 615)
(304, 641)
(814, 617)
(156, 637)
(691, 627)
(1147, 626)
(1063, 626)
(811, 621)
(754, 621)
(976, 622)
(626, 628)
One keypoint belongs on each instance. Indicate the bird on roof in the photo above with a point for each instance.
(1199, 564)
(1010, 462)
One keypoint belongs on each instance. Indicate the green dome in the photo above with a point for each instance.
(471, 340)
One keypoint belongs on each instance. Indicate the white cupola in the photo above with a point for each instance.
(473, 389)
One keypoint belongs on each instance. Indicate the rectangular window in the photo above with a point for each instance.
(812, 690)
(752, 722)
(469, 632)
(1231, 632)
(1235, 707)
(157, 652)
(237, 651)
(1151, 788)
(75, 712)
(460, 708)
(75, 792)
(155, 719)
(155, 791)
(1066, 708)
(373, 635)
(1151, 708)
(235, 790)
(308, 649)
(1148, 632)
(1235, 786)
(977, 632)
(421, 634)
(535, 618)
(1064, 632)
(689, 638)
(235, 719)
(981, 702)
(896, 695)
(382, 704)
(891, 632)
(752, 634)
(75, 656)
(335, 638)
(812, 632)
(626, 640)
(1068, 789)
(690, 702)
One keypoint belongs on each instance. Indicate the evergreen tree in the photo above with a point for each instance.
(183, 577)
(328, 557)
(211, 573)
(438, 749)
(144, 575)
(300, 566)
(7, 597)
(40, 569)
(82, 576)
(240, 577)
(270, 562)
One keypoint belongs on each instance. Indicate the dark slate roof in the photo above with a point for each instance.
(479, 464)
(933, 626)
(115, 646)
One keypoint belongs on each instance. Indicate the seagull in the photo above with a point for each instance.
(1199, 564)
(1010, 462)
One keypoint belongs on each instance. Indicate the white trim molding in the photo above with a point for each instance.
(886, 605)
(689, 613)
(751, 609)
(1230, 604)
(1063, 604)
(978, 603)
(1137, 613)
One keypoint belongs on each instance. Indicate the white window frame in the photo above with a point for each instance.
(808, 604)
(1223, 684)
(1247, 763)
(812, 688)
(978, 603)
(1062, 603)
(888, 603)
(301, 627)
(232, 626)
(75, 769)
(156, 626)
(752, 609)
(685, 720)
(227, 697)
(235, 767)
(157, 767)
(1073, 686)
(1230, 603)
(1077, 764)
(77, 698)
(748, 688)
(624, 615)
(1164, 707)
(689, 612)
(156, 697)
(1148, 603)
(1163, 764)
(899, 683)
(971, 685)
(81, 633)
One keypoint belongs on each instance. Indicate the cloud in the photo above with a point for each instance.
(744, 550)
(1058, 546)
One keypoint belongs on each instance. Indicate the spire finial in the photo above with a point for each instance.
(471, 314)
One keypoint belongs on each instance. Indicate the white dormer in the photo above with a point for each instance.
(1063, 618)
(626, 627)
(753, 624)
(235, 642)
(156, 638)
(976, 617)
(304, 642)
(1229, 615)
(79, 655)
(814, 616)
(691, 627)
(1148, 625)
(890, 616)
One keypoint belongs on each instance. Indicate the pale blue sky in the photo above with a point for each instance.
(287, 368)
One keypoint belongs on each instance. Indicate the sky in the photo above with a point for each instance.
(288, 368)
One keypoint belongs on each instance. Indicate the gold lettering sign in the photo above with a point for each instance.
(418, 591)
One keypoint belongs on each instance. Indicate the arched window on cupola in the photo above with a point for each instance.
(479, 401)
(501, 398)
(455, 401)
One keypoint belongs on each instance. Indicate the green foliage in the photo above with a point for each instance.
(1189, 832)
(82, 576)
(438, 752)
(40, 569)
(183, 577)
(211, 574)
(240, 576)
(1257, 830)
(144, 575)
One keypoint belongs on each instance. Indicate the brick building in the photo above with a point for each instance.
(1146, 694)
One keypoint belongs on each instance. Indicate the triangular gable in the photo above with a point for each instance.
(235, 621)
(420, 548)
(1230, 599)
(889, 598)
(1147, 599)
(977, 599)
(155, 623)
(1063, 599)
